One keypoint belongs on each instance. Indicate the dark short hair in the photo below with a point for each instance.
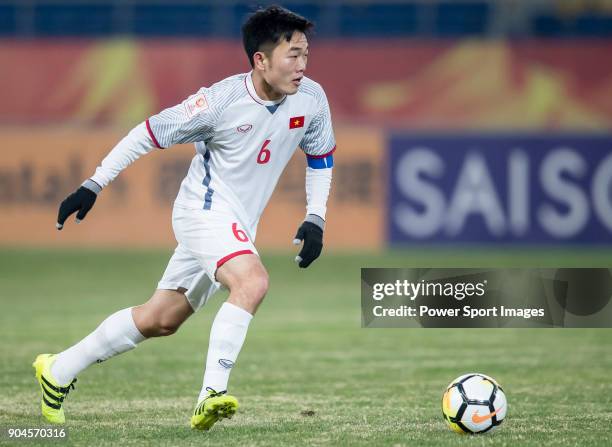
(268, 26)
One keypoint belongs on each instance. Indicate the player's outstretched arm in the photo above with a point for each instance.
(191, 120)
(137, 143)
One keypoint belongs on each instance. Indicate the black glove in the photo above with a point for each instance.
(312, 235)
(81, 200)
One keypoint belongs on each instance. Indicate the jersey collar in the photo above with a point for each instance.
(248, 82)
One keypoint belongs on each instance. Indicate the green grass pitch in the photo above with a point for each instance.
(308, 374)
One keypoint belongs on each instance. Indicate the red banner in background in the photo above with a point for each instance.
(474, 85)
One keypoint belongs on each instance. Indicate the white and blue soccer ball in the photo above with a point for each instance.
(474, 403)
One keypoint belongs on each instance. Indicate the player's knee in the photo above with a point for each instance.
(260, 286)
(253, 288)
(163, 328)
(163, 314)
(155, 325)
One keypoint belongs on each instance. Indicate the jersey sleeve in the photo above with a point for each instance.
(319, 141)
(192, 120)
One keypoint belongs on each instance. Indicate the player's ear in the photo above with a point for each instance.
(259, 59)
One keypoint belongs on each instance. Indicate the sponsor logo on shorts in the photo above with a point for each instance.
(227, 364)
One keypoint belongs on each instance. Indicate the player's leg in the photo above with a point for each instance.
(223, 247)
(163, 314)
(247, 280)
(165, 311)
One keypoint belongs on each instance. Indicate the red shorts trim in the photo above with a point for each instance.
(152, 136)
(324, 155)
(224, 259)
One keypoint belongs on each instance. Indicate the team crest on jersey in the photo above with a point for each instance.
(296, 122)
(244, 128)
(195, 105)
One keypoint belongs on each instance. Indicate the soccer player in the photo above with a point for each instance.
(245, 129)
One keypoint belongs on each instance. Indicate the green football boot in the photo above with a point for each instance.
(53, 394)
(215, 406)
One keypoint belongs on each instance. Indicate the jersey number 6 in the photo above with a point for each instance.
(264, 154)
(239, 234)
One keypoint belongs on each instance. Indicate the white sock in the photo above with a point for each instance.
(115, 335)
(227, 335)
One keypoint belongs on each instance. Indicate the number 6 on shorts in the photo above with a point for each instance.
(239, 234)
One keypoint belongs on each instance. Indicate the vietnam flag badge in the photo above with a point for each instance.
(296, 122)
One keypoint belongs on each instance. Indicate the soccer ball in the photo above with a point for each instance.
(474, 403)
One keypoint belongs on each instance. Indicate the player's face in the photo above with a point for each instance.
(287, 64)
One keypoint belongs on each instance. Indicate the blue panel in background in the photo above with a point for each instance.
(8, 20)
(462, 19)
(584, 25)
(344, 19)
(181, 20)
(594, 25)
(385, 20)
(500, 189)
(94, 19)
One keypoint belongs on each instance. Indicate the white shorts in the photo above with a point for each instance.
(206, 240)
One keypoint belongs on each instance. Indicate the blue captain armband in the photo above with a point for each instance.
(321, 161)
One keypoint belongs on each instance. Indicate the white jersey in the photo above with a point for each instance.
(243, 143)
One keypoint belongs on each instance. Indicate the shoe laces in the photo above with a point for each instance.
(70, 387)
(66, 389)
(62, 392)
(213, 393)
